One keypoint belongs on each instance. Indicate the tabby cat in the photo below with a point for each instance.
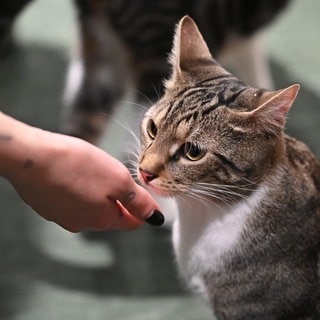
(247, 235)
(124, 44)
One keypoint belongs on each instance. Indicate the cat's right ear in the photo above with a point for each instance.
(189, 48)
(271, 114)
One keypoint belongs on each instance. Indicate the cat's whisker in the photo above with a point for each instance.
(128, 129)
(210, 204)
(181, 199)
(131, 161)
(133, 155)
(251, 186)
(147, 98)
(250, 182)
(224, 199)
(203, 198)
(132, 165)
(222, 193)
(191, 196)
(157, 91)
(132, 169)
(225, 189)
(136, 104)
(134, 148)
(209, 190)
(225, 194)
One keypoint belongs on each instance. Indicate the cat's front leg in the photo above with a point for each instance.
(98, 76)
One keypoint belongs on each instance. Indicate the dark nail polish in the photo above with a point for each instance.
(156, 218)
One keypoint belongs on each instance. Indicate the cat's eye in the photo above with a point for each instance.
(193, 152)
(151, 129)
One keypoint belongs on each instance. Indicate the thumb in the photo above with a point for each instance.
(141, 204)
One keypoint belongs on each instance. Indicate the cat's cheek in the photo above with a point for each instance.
(160, 193)
(154, 189)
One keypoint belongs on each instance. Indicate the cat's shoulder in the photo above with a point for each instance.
(298, 152)
(302, 159)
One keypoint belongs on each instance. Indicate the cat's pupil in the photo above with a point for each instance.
(193, 152)
(151, 129)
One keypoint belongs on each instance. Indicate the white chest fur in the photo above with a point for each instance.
(203, 235)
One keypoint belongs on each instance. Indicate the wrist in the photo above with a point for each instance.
(20, 147)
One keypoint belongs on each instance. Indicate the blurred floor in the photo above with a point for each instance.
(47, 273)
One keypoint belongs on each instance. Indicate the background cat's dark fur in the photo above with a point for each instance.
(129, 40)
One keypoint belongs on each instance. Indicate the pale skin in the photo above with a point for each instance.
(71, 182)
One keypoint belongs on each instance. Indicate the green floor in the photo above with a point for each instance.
(49, 274)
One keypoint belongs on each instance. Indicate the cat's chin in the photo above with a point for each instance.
(159, 192)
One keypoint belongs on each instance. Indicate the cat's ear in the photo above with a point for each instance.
(189, 47)
(271, 114)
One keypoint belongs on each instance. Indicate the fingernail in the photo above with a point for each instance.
(156, 218)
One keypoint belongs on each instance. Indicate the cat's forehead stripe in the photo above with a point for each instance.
(227, 99)
(205, 84)
(222, 92)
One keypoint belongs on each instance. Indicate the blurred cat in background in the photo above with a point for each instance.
(124, 44)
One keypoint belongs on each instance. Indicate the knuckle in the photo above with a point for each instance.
(125, 179)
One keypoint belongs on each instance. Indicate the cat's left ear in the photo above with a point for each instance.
(189, 47)
(271, 114)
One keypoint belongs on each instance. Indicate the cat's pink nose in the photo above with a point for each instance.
(146, 175)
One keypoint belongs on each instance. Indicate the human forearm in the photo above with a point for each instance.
(17, 141)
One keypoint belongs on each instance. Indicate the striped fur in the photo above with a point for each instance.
(247, 236)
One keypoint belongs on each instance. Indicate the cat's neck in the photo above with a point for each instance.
(204, 232)
(196, 215)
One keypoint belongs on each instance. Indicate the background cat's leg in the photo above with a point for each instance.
(248, 61)
(8, 12)
(99, 75)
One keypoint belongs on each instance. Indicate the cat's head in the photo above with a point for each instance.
(209, 129)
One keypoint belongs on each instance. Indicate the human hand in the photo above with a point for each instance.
(77, 185)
